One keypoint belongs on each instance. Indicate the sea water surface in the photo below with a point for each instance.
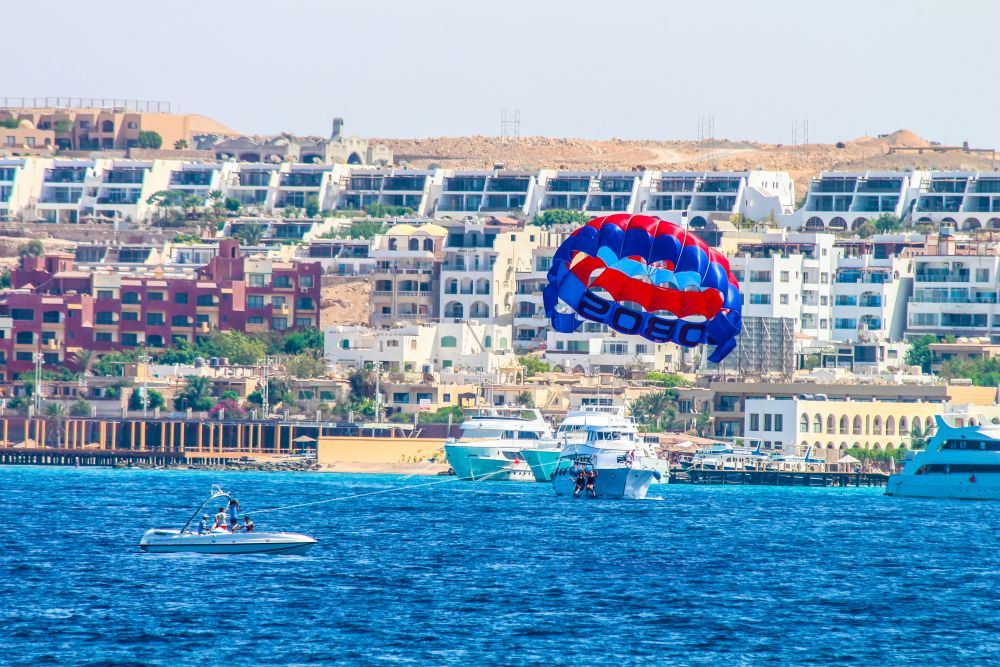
(494, 574)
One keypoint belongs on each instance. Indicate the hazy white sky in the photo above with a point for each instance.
(612, 68)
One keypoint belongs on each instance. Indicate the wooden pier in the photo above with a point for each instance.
(779, 478)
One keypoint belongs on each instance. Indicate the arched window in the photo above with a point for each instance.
(449, 341)
(488, 341)
(393, 244)
(414, 244)
(804, 423)
(831, 424)
(817, 424)
(844, 424)
(107, 126)
(877, 425)
(890, 426)
(928, 426)
(903, 426)
(429, 245)
(857, 425)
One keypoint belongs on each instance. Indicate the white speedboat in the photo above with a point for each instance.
(221, 541)
(625, 466)
(962, 460)
(543, 459)
(491, 444)
(724, 456)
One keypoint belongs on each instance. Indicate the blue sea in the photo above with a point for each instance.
(494, 574)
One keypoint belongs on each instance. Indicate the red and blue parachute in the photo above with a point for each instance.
(684, 289)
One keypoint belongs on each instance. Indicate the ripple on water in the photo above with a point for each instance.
(495, 574)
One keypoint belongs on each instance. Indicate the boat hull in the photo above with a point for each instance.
(542, 462)
(961, 486)
(483, 469)
(172, 541)
(613, 483)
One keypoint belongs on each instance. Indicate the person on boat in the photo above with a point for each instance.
(233, 510)
(247, 524)
(580, 477)
(591, 478)
(203, 525)
(220, 519)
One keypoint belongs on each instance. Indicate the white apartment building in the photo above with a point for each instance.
(488, 193)
(955, 289)
(412, 188)
(478, 273)
(965, 200)
(704, 196)
(838, 200)
(789, 274)
(871, 288)
(197, 179)
(597, 348)
(20, 185)
(62, 189)
(121, 190)
(254, 184)
(298, 183)
(472, 347)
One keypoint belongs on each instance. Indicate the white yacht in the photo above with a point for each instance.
(220, 540)
(624, 464)
(543, 459)
(491, 444)
(724, 456)
(962, 460)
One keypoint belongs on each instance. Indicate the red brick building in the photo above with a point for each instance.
(59, 311)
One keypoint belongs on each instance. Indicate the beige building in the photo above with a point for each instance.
(25, 139)
(407, 271)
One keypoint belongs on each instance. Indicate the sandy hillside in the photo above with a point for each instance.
(345, 301)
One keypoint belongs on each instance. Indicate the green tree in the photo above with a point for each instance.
(150, 139)
(377, 210)
(982, 372)
(703, 424)
(62, 127)
(525, 399)
(441, 416)
(195, 395)
(5, 279)
(297, 342)
(33, 248)
(533, 365)
(217, 201)
(10, 123)
(362, 381)
(154, 399)
(312, 206)
(239, 348)
(278, 391)
(887, 222)
(560, 217)
(249, 233)
(53, 410)
(80, 408)
(305, 366)
(656, 410)
(919, 353)
(358, 229)
(866, 230)
(233, 205)
(667, 379)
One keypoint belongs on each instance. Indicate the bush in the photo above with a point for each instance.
(33, 248)
(533, 365)
(154, 399)
(561, 217)
(150, 139)
(80, 408)
(667, 379)
(233, 205)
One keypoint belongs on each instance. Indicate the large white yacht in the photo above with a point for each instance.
(725, 456)
(491, 444)
(572, 431)
(962, 460)
(624, 464)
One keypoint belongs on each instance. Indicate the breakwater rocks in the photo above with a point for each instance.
(233, 466)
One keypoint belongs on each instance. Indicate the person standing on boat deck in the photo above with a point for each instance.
(247, 524)
(203, 525)
(233, 510)
(220, 519)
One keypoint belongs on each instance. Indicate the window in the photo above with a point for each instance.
(51, 317)
(129, 316)
(255, 279)
(255, 320)
(400, 397)
(24, 338)
(778, 422)
(449, 341)
(105, 294)
(130, 297)
(181, 297)
(641, 348)
(326, 395)
(754, 422)
(154, 296)
(982, 275)
(255, 301)
(206, 300)
(154, 319)
(305, 303)
(784, 276)
(614, 347)
(23, 356)
(824, 278)
(783, 299)
(180, 321)
(277, 301)
(306, 281)
(130, 339)
(22, 314)
(760, 299)
(767, 422)
(104, 317)
(302, 322)
(104, 337)
(279, 323)
(282, 281)
(824, 300)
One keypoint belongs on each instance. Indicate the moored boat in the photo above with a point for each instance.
(491, 444)
(611, 464)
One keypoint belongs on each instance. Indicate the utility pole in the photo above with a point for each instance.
(378, 395)
(38, 383)
(264, 393)
(144, 360)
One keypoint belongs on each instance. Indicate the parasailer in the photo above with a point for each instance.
(684, 289)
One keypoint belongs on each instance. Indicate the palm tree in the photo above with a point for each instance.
(216, 200)
(249, 233)
(195, 393)
(84, 360)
